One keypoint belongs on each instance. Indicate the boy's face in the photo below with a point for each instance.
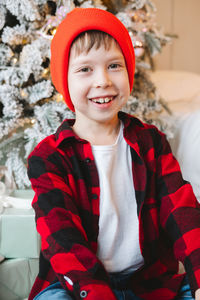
(98, 83)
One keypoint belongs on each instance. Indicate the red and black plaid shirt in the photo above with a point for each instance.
(64, 177)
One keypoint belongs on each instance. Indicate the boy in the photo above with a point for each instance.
(112, 209)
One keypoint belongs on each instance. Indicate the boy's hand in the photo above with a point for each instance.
(197, 294)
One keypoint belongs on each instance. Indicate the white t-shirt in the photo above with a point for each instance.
(118, 240)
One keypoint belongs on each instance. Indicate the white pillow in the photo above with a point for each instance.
(186, 148)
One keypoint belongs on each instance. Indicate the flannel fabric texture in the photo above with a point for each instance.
(64, 177)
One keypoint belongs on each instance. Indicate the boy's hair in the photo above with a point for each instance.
(85, 41)
(81, 20)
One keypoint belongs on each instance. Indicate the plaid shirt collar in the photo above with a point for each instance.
(65, 131)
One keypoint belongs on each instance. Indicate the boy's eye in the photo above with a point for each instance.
(114, 66)
(85, 69)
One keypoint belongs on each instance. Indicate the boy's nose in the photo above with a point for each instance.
(102, 80)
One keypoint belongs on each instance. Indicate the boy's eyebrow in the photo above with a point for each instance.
(117, 57)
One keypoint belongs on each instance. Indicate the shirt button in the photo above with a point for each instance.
(87, 160)
(94, 196)
(83, 294)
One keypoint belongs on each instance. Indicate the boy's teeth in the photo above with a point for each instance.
(102, 100)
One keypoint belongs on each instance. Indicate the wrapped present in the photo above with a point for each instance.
(16, 199)
(18, 235)
(17, 277)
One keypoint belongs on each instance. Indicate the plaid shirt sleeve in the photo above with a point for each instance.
(179, 212)
(63, 238)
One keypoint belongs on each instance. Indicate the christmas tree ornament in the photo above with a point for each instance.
(33, 121)
(139, 15)
(53, 30)
(59, 97)
(46, 73)
(138, 45)
(139, 51)
(23, 94)
(13, 61)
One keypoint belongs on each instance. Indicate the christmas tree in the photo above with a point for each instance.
(30, 107)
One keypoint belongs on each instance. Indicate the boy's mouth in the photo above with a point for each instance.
(102, 100)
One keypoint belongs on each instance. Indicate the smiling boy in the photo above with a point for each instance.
(112, 208)
(98, 90)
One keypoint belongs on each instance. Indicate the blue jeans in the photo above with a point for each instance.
(185, 291)
(56, 292)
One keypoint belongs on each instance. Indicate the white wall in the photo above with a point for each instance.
(181, 17)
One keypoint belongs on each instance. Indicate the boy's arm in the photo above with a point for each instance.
(179, 212)
(63, 239)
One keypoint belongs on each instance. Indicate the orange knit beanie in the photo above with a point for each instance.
(77, 21)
